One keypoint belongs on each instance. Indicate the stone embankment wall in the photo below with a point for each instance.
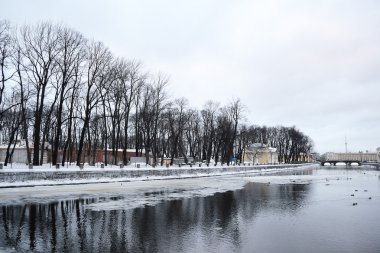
(125, 174)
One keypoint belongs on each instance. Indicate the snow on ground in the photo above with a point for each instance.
(18, 167)
(145, 175)
(132, 194)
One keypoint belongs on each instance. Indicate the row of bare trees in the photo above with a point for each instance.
(290, 142)
(64, 93)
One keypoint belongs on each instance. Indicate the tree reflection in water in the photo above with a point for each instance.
(200, 224)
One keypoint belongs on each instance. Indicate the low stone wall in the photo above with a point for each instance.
(125, 173)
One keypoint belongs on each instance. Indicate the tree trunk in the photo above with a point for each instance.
(81, 140)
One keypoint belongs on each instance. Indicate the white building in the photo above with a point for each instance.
(258, 153)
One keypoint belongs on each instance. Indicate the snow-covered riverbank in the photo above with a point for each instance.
(20, 175)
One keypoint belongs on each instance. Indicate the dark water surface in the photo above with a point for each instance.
(309, 212)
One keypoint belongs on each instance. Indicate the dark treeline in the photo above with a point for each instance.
(59, 88)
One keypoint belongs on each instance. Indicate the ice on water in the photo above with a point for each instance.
(130, 195)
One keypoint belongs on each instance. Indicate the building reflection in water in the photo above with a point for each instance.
(200, 224)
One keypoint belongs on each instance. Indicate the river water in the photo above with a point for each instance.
(309, 210)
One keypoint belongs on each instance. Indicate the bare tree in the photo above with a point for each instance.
(145, 116)
(72, 104)
(98, 61)
(25, 95)
(12, 123)
(150, 111)
(158, 106)
(6, 47)
(193, 133)
(224, 135)
(132, 82)
(209, 115)
(69, 59)
(40, 48)
(236, 109)
(114, 97)
(177, 123)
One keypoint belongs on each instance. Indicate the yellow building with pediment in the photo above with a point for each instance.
(258, 153)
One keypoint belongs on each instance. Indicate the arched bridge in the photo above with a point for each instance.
(341, 161)
(348, 158)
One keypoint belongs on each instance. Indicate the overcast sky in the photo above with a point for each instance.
(312, 64)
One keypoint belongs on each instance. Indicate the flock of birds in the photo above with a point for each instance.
(352, 195)
(356, 203)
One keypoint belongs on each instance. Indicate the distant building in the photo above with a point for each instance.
(166, 161)
(306, 157)
(360, 156)
(131, 155)
(378, 154)
(98, 156)
(19, 155)
(258, 153)
(20, 152)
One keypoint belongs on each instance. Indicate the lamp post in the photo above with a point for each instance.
(1, 133)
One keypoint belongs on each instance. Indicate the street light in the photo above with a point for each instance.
(1, 133)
